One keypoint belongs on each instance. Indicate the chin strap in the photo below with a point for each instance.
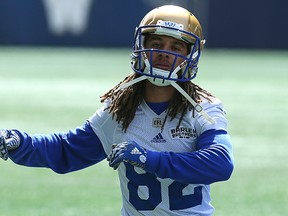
(197, 106)
(132, 82)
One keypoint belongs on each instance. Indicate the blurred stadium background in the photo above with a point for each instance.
(94, 23)
(57, 57)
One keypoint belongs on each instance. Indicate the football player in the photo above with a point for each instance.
(166, 136)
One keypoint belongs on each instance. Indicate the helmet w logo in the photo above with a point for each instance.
(170, 24)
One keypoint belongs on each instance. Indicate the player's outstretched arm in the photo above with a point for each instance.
(9, 140)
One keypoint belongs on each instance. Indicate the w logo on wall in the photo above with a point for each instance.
(66, 16)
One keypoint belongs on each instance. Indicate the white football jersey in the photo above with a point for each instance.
(144, 193)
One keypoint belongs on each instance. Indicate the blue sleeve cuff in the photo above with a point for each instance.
(152, 162)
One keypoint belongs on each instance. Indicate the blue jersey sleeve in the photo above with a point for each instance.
(211, 162)
(62, 152)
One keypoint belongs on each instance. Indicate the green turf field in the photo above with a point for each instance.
(47, 90)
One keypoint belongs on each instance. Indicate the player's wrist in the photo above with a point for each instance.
(152, 161)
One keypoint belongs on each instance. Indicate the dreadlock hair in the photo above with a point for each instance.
(124, 102)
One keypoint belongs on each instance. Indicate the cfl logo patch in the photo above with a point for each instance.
(157, 122)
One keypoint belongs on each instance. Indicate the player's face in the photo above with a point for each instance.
(164, 60)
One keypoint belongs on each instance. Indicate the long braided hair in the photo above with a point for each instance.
(124, 102)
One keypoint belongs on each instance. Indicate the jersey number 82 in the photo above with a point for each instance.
(177, 200)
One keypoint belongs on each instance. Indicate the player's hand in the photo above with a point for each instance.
(129, 152)
(9, 140)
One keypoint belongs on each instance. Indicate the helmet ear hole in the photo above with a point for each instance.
(202, 43)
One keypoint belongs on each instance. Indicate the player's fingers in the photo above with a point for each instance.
(115, 162)
(11, 143)
(116, 150)
(116, 166)
(3, 149)
(112, 155)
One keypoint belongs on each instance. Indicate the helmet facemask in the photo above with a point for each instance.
(183, 72)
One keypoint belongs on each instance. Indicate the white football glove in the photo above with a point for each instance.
(9, 140)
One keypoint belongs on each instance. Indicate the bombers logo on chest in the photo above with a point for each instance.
(177, 132)
(183, 133)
